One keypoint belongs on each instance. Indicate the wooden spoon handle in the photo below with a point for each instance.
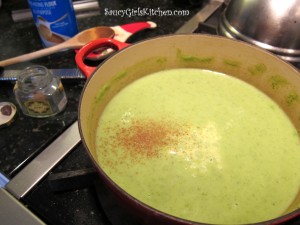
(37, 54)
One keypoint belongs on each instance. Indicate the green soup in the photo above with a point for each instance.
(202, 146)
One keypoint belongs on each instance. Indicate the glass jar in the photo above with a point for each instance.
(39, 93)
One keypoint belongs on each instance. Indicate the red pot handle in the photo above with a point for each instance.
(99, 43)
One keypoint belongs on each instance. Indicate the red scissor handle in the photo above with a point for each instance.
(99, 43)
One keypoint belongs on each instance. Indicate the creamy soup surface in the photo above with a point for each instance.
(201, 145)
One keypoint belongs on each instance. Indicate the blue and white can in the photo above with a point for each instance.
(54, 19)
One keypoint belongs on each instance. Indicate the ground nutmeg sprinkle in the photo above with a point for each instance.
(146, 137)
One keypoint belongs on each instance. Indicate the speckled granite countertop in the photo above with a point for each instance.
(26, 136)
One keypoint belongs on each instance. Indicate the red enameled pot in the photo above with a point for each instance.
(244, 61)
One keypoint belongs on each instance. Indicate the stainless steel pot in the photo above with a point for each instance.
(271, 24)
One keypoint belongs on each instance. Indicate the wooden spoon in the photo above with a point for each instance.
(75, 42)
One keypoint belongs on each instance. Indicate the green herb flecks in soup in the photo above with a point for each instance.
(201, 145)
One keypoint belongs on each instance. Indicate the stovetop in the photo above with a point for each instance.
(71, 193)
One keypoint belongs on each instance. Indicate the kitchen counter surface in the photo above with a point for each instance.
(27, 136)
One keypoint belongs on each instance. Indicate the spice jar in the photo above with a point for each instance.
(39, 93)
